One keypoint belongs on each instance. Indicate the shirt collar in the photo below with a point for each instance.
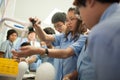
(70, 38)
(11, 44)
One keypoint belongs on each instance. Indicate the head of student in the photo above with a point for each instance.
(12, 35)
(49, 30)
(92, 10)
(58, 20)
(31, 34)
(73, 22)
(25, 44)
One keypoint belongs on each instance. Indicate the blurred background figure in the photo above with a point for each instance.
(8, 45)
(30, 37)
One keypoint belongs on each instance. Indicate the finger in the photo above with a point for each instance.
(37, 20)
(17, 60)
(31, 18)
(18, 54)
(14, 52)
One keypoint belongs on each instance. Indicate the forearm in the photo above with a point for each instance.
(54, 53)
(58, 53)
(41, 34)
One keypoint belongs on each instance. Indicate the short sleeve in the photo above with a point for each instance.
(78, 45)
(3, 47)
(58, 38)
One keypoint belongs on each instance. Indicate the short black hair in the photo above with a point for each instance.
(83, 2)
(59, 16)
(31, 32)
(49, 30)
(31, 29)
(25, 44)
(11, 31)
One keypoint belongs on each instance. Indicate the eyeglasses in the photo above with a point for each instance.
(58, 25)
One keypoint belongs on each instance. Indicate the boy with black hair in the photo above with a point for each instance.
(58, 20)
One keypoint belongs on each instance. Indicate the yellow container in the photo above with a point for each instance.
(8, 67)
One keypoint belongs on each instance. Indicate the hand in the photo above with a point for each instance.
(25, 51)
(23, 59)
(35, 21)
(67, 77)
(71, 76)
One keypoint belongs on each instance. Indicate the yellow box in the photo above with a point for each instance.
(8, 67)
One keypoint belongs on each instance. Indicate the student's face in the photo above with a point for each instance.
(59, 26)
(32, 36)
(71, 21)
(13, 37)
(89, 13)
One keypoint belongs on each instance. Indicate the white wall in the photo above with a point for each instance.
(40, 8)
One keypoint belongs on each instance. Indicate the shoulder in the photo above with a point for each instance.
(59, 36)
(82, 38)
(5, 42)
(105, 35)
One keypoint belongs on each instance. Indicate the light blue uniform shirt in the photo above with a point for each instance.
(6, 47)
(104, 44)
(85, 67)
(69, 64)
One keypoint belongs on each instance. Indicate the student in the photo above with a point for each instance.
(103, 41)
(68, 53)
(8, 45)
(85, 70)
(58, 20)
(31, 37)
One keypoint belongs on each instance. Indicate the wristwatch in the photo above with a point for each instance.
(46, 51)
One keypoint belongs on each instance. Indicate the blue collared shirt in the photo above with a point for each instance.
(85, 66)
(104, 44)
(6, 47)
(69, 64)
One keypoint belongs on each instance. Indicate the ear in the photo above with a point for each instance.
(91, 2)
